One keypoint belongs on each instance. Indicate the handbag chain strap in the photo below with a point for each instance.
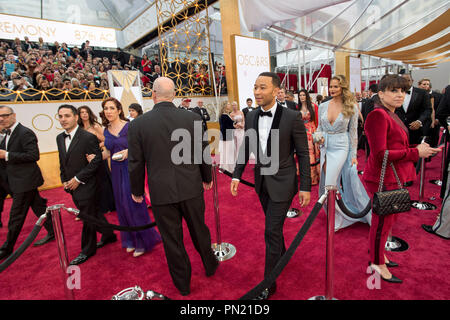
(383, 172)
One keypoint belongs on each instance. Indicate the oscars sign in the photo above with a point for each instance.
(251, 58)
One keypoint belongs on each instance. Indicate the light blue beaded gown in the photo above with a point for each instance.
(340, 147)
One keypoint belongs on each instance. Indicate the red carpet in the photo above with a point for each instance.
(423, 267)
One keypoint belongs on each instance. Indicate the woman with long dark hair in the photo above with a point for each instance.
(129, 212)
(338, 122)
(309, 116)
(88, 121)
(386, 132)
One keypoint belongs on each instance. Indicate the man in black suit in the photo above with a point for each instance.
(415, 112)
(78, 176)
(176, 185)
(281, 99)
(20, 177)
(435, 97)
(280, 133)
(249, 107)
(203, 113)
(369, 103)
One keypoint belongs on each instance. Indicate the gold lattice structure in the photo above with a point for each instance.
(183, 29)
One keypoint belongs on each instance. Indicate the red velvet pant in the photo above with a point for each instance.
(379, 229)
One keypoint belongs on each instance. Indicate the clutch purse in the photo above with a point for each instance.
(393, 201)
(317, 136)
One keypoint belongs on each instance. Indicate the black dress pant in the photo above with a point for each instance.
(168, 218)
(22, 202)
(275, 215)
(89, 207)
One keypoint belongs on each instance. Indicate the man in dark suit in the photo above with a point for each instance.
(281, 99)
(280, 133)
(20, 176)
(415, 112)
(369, 103)
(176, 185)
(442, 114)
(435, 97)
(249, 107)
(203, 113)
(79, 178)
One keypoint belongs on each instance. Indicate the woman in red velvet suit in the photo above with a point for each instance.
(385, 131)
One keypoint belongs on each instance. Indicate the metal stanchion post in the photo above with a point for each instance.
(331, 208)
(62, 249)
(222, 250)
(444, 154)
(422, 205)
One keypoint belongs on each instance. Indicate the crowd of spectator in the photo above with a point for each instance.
(43, 66)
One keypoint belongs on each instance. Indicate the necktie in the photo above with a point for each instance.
(263, 114)
(65, 135)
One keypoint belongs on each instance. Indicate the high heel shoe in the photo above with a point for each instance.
(392, 279)
(391, 264)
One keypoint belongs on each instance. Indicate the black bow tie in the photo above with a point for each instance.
(65, 135)
(268, 114)
(7, 132)
(408, 92)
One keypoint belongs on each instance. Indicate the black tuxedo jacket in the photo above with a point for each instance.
(282, 185)
(291, 105)
(21, 170)
(150, 145)
(368, 105)
(419, 109)
(203, 114)
(74, 163)
(246, 110)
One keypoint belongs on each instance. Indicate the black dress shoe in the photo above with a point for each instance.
(44, 240)
(79, 260)
(103, 243)
(185, 293)
(4, 254)
(392, 264)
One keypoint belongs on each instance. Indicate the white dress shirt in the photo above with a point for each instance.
(7, 137)
(407, 100)
(264, 125)
(68, 141)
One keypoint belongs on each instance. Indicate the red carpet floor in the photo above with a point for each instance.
(424, 267)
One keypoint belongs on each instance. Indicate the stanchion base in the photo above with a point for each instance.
(223, 251)
(396, 245)
(320, 298)
(421, 205)
(436, 182)
(294, 213)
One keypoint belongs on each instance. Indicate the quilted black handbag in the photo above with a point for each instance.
(393, 201)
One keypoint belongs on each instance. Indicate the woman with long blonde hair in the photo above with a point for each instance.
(338, 123)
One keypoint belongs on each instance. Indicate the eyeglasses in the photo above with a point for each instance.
(6, 115)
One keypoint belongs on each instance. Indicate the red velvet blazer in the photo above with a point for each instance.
(385, 131)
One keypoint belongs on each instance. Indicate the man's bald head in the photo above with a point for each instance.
(163, 90)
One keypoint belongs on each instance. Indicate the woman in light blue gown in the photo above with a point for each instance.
(338, 121)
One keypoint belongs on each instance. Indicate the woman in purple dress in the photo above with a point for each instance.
(130, 213)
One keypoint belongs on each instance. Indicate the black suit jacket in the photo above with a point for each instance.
(203, 114)
(368, 105)
(419, 109)
(21, 170)
(74, 163)
(291, 105)
(282, 185)
(246, 110)
(150, 145)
